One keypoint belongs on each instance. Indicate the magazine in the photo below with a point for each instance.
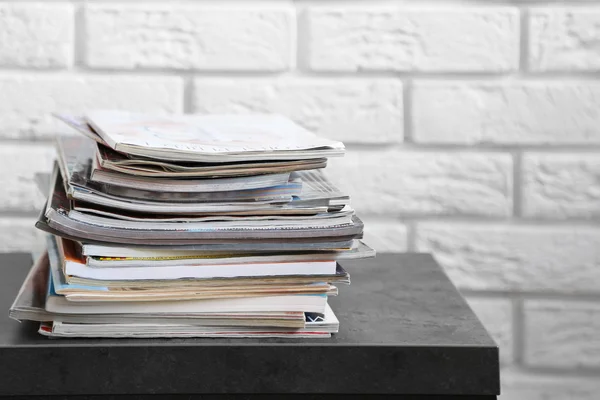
(316, 326)
(77, 160)
(209, 138)
(57, 215)
(149, 259)
(109, 160)
(116, 250)
(30, 304)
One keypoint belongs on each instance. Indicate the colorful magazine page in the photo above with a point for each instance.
(60, 284)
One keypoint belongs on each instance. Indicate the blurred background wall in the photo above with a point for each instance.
(472, 127)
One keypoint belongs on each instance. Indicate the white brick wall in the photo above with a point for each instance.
(28, 99)
(562, 334)
(16, 234)
(473, 131)
(565, 185)
(517, 385)
(515, 257)
(515, 112)
(385, 236)
(564, 39)
(353, 110)
(396, 39)
(426, 183)
(20, 163)
(497, 316)
(189, 37)
(36, 35)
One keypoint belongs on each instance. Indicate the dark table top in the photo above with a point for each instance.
(404, 329)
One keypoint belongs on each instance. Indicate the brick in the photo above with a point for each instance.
(564, 39)
(385, 236)
(446, 39)
(28, 100)
(351, 110)
(189, 37)
(497, 317)
(562, 334)
(517, 385)
(18, 235)
(36, 35)
(388, 182)
(506, 112)
(561, 185)
(19, 163)
(515, 258)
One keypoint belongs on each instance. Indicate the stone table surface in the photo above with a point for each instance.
(404, 329)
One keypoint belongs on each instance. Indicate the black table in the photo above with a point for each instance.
(404, 331)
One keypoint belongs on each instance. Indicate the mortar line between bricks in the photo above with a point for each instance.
(411, 236)
(475, 148)
(79, 38)
(300, 43)
(19, 214)
(204, 3)
(524, 41)
(517, 177)
(480, 3)
(518, 330)
(39, 141)
(540, 372)
(452, 76)
(579, 77)
(402, 147)
(85, 70)
(468, 3)
(496, 221)
(526, 295)
(407, 111)
(188, 95)
(574, 372)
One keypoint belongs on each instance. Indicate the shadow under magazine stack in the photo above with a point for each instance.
(190, 226)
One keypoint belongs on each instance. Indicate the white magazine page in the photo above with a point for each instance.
(212, 134)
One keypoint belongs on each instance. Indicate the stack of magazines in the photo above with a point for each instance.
(190, 226)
